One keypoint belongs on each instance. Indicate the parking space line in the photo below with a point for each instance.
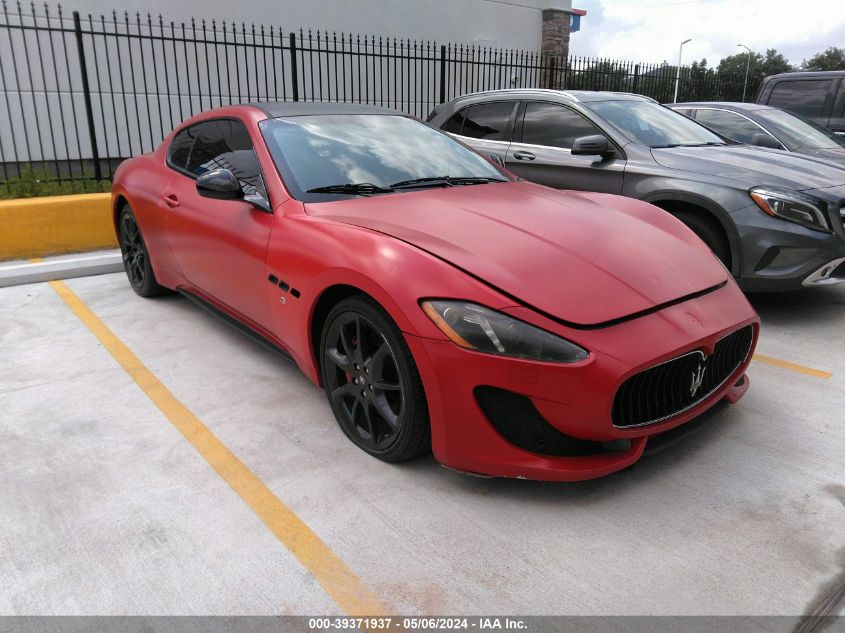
(785, 364)
(337, 579)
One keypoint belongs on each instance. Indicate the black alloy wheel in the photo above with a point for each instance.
(136, 260)
(372, 382)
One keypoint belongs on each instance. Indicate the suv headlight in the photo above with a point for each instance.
(792, 206)
(484, 330)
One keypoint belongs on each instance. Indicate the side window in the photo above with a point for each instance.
(553, 125)
(488, 121)
(455, 122)
(180, 148)
(729, 124)
(805, 97)
(225, 144)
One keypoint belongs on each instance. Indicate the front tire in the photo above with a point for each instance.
(136, 259)
(372, 382)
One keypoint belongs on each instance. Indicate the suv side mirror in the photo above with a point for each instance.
(595, 145)
(219, 184)
(761, 139)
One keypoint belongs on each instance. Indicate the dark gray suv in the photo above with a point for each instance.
(777, 220)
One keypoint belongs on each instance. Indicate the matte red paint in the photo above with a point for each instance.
(559, 260)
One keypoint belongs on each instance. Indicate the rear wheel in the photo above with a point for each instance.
(136, 260)
(372, 382)
(709, 232)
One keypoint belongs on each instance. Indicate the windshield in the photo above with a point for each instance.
(366, 154)
(652, 125)
(799, 132)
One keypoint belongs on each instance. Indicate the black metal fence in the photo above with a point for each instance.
(81, 93)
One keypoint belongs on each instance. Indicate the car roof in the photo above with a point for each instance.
(731, 105)
(579, 96)
(806, 74)
(275, 109)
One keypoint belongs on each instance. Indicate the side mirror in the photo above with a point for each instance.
(761, 139)
(495, 158)
(219, 184)
(595, 145)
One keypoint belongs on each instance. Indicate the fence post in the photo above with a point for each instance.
(86, 93)
(442, 73)
(551, 73)
(636, 78)
(294, 74)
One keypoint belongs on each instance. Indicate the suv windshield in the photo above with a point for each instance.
(330, 157)
(800, 132)
(652, 125)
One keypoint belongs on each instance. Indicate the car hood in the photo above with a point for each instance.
(753, 165)
(586, 259)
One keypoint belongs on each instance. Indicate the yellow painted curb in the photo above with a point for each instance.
(35, 227)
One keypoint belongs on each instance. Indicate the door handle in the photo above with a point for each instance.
(171, 200)
(520, 155)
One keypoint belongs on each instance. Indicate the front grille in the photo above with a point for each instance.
(679, 384)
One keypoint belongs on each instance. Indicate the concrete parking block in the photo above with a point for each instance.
(18, 272)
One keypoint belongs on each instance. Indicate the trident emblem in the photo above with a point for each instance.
(697, 378)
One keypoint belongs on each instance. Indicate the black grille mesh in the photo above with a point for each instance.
(666, 390)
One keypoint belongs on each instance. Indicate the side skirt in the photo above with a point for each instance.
(238, 325)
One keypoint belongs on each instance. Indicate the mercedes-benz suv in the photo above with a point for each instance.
(774, 219)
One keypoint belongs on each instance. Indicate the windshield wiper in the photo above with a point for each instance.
(360, 188)
(444, 181)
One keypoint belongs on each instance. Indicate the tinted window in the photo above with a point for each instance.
(180, 147)
(488, 121)
(322, 150)
(455, 122)
(800, 132)
(553, 125)
(803, 97)
(731, 124)
(225, 144)
(653, 125)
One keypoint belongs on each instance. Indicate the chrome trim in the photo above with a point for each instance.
(822, 277)
(750, 120)
(702, 398)
(470, 140)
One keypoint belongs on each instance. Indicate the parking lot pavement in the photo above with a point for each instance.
(109, 509)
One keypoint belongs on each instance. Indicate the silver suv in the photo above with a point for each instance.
(775, 219)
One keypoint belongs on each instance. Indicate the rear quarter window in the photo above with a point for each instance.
(180, 148)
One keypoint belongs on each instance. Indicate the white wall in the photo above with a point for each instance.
(508, 23)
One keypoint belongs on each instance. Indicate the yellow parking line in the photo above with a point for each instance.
(785, 364)
(338, 580)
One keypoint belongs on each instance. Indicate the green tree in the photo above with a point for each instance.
(771, 63)
(831, 59)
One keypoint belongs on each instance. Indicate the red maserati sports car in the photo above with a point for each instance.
(443, 304)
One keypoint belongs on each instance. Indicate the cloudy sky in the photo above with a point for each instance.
(651, 30)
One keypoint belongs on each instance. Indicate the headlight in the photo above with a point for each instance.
(484, 330)
(792, 206)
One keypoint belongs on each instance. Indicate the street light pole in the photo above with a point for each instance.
(678, 75)
(747, 68)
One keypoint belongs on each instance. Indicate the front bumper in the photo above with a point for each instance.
(574, 399)
(777, 255)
